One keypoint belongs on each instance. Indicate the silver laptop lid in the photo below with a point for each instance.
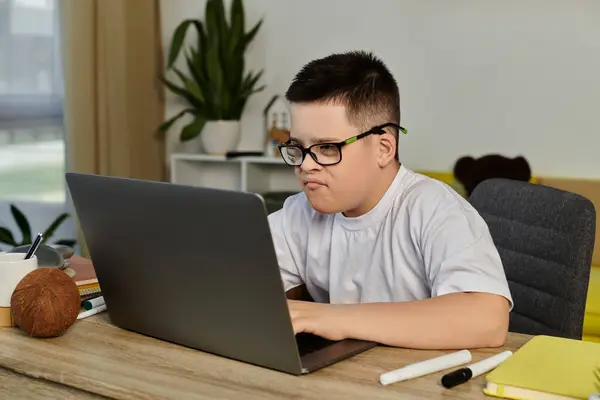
(193, 266)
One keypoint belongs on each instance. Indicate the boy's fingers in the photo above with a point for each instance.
(299, 325)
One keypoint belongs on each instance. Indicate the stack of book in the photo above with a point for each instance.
(84, 277)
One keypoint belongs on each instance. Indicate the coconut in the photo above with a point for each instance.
(45, 303)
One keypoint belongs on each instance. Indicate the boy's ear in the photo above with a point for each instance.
(387, 149)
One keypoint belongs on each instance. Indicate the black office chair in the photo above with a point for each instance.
(545, 237)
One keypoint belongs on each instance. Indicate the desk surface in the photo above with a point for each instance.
(99, 358)
(16, 386)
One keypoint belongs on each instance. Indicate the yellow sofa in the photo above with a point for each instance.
(591, 322)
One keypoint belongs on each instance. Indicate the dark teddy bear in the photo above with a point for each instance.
(470, 172)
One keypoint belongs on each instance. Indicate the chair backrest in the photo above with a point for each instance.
(545, 237)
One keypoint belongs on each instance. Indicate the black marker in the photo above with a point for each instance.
(463, 375)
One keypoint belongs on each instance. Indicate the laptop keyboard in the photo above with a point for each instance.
(309, 343)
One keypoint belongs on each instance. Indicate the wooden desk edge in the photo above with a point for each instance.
(336, 374)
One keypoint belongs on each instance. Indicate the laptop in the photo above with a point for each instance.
(197, 267)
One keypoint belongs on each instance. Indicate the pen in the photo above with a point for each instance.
(34, 246)
(91, 312)
(462, 375)
(426, 367)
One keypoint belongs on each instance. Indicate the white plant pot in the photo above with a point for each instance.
(219, 137)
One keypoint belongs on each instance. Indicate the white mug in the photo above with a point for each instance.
(13, 268)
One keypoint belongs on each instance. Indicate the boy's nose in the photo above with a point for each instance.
(309, 163)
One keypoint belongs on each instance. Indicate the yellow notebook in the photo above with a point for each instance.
(547, 368)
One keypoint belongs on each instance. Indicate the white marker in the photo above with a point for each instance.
(462, 375)
(91, 312)
(426, 367)
(93, 303)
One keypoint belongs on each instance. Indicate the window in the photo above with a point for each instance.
(32, 139)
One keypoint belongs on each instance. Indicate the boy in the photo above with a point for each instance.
(387, 255)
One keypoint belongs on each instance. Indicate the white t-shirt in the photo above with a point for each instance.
(421, 240)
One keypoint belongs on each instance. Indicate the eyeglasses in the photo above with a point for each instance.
(327, 153)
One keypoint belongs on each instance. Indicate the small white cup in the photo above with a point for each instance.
(13, 268)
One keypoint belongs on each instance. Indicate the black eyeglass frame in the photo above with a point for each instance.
(376, 130)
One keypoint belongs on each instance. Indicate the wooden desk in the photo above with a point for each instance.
(17, 386)
(99, 358)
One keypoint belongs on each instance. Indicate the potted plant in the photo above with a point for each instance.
(216, 86)
(9, 238)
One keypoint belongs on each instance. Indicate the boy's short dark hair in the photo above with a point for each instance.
(358, 80)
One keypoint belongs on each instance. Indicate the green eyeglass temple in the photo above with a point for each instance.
(377, 130)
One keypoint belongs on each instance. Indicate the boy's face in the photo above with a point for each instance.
(342, 187)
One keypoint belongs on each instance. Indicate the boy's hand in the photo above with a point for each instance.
(326, 320)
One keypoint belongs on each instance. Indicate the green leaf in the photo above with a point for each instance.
(201, 35)
(7, 237)
(193, 129)
(54, 225)
(177, 41)
(202, 48)
(181, 92)
(23, 224)
(252, 80)
(237, 19)
(193, 64)
(237, 76)
(243, 44)
(239, 106)
(165, 126)
(220, 20)
(210, 15)
(204, 84)
(215, 72)
(226, 104)
(191, 86)
(217, 28)
(174, 88)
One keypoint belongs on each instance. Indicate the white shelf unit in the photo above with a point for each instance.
(248, 174)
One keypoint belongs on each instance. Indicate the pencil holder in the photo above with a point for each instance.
(13, 268)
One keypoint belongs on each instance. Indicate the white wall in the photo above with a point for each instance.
(506, 76)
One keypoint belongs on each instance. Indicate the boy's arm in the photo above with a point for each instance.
(452, 321)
